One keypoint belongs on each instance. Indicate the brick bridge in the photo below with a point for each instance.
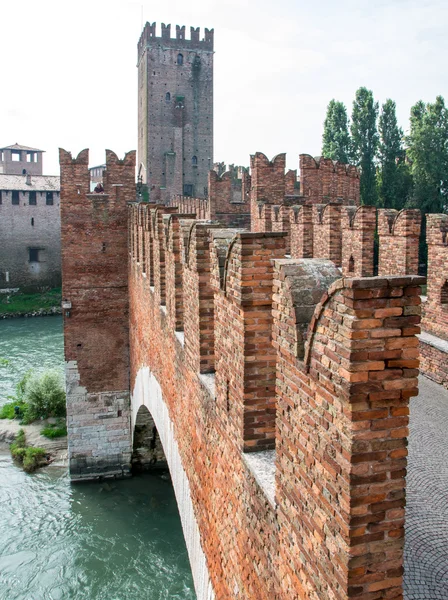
(279, 391)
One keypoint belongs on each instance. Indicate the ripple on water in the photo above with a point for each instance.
(88, 542)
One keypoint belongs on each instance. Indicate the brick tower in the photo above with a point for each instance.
(175, 111)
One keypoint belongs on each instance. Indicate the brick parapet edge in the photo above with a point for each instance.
(339, 418)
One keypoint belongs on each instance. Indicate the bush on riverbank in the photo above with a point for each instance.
(22, 304)
(38, 396)
(45, 396)
(55, 430)
(30, 458)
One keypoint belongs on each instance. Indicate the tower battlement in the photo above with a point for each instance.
(149, 37)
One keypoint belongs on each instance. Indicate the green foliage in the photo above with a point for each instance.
(45, 396)
(27, 303)
(38, 396)
(365, 142)
(428, 152)
(29, 457)
(7, 411)
(336, 138)
(33, 458)
(55, 430)
(394, 177)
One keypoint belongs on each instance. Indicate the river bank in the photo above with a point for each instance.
(56, 448)
(15, 303)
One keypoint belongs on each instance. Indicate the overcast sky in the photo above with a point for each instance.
(69, 77)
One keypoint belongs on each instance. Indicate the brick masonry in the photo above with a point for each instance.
(331, 398)
(175, 111)
(398, 233)
(96, 331)
(434, 347)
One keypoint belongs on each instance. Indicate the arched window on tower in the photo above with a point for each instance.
(180, 59)
(167, 97)
(194, 161)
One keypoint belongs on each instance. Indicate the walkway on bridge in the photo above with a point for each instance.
(426, 546)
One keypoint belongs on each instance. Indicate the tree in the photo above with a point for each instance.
(394, 178)
(365, 142)
(428, 153)
(336, 138)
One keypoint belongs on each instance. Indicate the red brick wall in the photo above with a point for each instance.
(229, 205)
(398, 233)
(323, 180)
(358, 233)
(434, 363)
(267, 184)
(281, 221)
(301, 218)
(94, 266)
(342, 419)
(435, 319)
(327, 233)
(340, 429)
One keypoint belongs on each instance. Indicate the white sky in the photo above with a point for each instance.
(69, 77)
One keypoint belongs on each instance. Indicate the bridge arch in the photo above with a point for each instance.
(147, 392)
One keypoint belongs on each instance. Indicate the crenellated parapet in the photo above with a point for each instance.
(338, 411)
(302, 232)
(149, 38)
(358, 238)
(436, 307)
(323, 180)
(327, 233)
(398, 233)
(255, 352)
(281, 221)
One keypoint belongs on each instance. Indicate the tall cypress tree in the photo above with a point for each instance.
(428, 152)
(365, 142)
(394, 178)
(336, 137)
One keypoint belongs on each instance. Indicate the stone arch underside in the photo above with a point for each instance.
(147, 392)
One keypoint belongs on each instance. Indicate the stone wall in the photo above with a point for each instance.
(323, 379)
(26, 227)
(96, 331)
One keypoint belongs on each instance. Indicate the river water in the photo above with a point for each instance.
(120, 540)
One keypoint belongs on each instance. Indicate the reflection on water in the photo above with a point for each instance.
(111, 541)
(35, 343)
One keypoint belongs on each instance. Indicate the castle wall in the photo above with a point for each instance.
(358, 235)
(323, 180)
(327, 232)
(30, 228)
(96, 331)
(434, 340)
(398, 233)
(325, 380)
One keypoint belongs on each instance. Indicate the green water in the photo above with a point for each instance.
(29, 343)
(116, 541)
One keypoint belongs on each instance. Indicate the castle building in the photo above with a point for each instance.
(175, 112)
(30, 222)
(20, 160)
